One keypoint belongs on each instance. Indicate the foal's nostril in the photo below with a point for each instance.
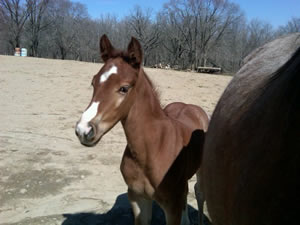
(90, 135)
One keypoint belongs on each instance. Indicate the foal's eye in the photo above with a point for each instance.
(124, 89)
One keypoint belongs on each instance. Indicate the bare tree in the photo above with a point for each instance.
(146, 31)
(292, 26)
(36, 23)
(67, 17)
(259, 33)
(231, 49)
(201, 24)
(183, 20)
(172, 40)
(175, 32)
(108, 24)
(14, 14)
(218, 16)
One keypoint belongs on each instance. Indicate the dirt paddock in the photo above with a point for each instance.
(46, 176)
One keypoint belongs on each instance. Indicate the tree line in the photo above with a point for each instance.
(184, 34)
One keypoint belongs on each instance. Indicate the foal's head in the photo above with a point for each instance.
(113, 91)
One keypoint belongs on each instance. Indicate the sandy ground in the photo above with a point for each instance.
(46, 176)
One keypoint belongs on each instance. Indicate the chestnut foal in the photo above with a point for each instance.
(164, 146)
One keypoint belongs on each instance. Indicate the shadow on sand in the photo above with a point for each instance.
(121, 214)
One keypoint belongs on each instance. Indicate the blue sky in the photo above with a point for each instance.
(276, 12)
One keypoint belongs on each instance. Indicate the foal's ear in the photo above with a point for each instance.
(106, 48)
(135, 53)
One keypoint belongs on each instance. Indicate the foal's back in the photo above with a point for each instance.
(192, 116)
(192, 122)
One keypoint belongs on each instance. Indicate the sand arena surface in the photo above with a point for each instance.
(46, 175)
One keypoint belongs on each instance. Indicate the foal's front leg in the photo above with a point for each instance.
(142, 208)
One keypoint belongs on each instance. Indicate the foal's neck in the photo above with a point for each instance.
(144, 112)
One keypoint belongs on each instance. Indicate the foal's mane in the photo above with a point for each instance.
(155, 89)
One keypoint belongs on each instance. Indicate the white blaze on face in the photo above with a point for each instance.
(87, 116)
(104, 77)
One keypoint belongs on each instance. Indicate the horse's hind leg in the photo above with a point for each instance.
(175, 216)
(199, 197)
(178, 216)
(185, 216)
(142, 208)
(176, 211)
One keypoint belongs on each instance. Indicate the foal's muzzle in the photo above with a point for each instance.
(86, 134)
